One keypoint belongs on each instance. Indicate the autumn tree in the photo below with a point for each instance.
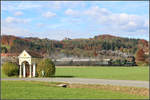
(140, 56)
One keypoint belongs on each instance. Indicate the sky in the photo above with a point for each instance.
(75, 19)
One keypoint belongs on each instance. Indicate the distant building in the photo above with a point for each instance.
(9, 54)
(67, 38)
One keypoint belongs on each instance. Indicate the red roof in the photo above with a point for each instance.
(9, 54)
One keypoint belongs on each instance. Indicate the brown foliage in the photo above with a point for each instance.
(140, 56)
(8, 39)
(142, 43)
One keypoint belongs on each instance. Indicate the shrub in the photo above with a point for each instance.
(10, 69)
(45, 68)
(117, 62)
(123, 62)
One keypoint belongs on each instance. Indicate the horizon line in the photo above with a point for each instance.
(74, 38)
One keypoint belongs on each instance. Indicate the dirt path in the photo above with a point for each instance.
(130, 83)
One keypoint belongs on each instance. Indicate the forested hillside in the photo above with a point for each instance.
(96, 47)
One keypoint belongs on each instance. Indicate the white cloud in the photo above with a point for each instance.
(71, 12)
(132, 24)
(26, 5)
(40, 24)
(116, 21)
(18, 13)
(66, 4)
(146, 24)
(17, 31)
(22, 5)
(16, 20)
(96, 11)
(123, 18)
(10, 19)
(56, 4)
(49, 14)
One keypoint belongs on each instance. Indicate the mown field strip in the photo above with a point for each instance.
(115, 73)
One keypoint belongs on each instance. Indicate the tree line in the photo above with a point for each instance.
(78, 47)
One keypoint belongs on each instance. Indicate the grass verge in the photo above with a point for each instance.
(49, 90)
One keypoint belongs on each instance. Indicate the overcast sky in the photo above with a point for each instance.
(75, 19)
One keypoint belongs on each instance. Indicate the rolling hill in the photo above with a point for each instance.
(91, 47)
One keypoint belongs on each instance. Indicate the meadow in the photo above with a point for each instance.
(49, 90)
(115, 73)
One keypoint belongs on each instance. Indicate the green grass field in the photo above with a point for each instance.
(116, 73)
(45, 90)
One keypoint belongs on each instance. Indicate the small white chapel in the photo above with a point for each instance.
(27, 68)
